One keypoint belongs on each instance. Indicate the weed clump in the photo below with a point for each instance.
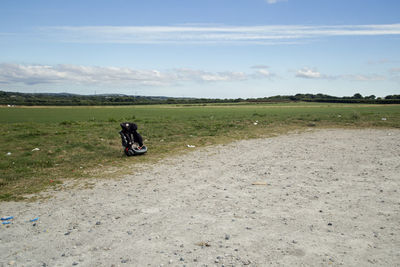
(355, 116)
(67, 123)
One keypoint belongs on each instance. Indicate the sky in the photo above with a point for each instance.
(201, 48)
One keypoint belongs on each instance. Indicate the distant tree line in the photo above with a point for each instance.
(64, 99)
(356, 98)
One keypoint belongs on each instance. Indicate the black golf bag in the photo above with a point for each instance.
(132, 141)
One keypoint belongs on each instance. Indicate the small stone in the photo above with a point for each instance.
(75, 263)
(129, 232)
(170, 261)
(11, 262)
(67, 233)
(216, 261)
(182, 259)
(246, 262)
(227, 237)
(330, 224)
(98, 223)
(124, 261)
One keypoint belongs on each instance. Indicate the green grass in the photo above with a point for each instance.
(78, 142)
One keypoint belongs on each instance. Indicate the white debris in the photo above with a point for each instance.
(255, 123)
(8, 153)
(383, 119)
(191, 146)
(36, 149)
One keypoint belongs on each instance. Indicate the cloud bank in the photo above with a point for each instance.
(11, 74)
(267, 35)
(89, 75)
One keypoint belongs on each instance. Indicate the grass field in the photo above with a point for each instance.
(77, 142)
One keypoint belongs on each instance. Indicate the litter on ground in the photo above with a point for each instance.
(259, 183)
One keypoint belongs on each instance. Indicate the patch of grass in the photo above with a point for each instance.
(84, 142)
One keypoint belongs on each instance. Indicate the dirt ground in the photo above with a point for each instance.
(324, 197)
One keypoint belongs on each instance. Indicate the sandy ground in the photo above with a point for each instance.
(327, 197)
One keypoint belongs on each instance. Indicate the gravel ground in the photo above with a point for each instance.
(325, 197)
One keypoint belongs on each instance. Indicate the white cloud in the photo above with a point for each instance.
(308, 73)
(89, 75)
(274, 1)
(264, 73)
(193, 34)
(315, 74)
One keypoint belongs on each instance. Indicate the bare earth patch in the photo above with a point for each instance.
(316, 198)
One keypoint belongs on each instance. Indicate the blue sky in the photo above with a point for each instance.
(201, 48)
